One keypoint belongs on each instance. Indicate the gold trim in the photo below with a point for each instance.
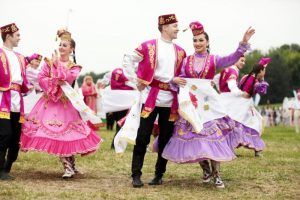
(143, 81)
(151, 53)
(10, 77)
(22, 119)
(3, 60)
(4, 115)
(206, 66)
(145, 114)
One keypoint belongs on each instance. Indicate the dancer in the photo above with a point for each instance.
(158, 61)
(54, 126)
(187, 145)
(251, 84)
(13, 84)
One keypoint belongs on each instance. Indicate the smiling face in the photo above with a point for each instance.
(65, 48)
(35, 63)
(14, 38)
(171, 30)
(241, 63)
(200, 43)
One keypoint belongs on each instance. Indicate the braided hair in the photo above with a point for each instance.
(73, 45)
(207, 38)
(257, 68)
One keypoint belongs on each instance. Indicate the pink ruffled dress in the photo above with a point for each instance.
(54, 126)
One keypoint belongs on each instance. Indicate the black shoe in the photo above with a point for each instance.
(136, 182)
(7, 166)
(257, 154)
(6, 176)
(156, 181)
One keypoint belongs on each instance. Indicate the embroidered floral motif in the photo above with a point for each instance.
(13, 28)
(194, 87)
(191, 68)
(207, 65)
(214, 127)
(55, 122)
(33, 120)
(3, 60)
(161, 20)
(181, 132)
(151, 52)
(164, 86)
(79, 127)
(180, 56)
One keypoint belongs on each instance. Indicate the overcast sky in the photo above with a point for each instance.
(105, 30)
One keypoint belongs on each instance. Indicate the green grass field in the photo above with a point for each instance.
(276, 175)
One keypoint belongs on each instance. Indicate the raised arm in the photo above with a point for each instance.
(243, 47)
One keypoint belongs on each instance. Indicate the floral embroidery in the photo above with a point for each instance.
(13, 28)
(190, 66)
(3, 60)
(54, 122)
(180, 56)
(181, 132)
(207, 65)
(151, 52)
(194, 87)
(161, 20)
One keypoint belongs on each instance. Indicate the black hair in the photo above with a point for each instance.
(207, 38)
(257, 68)
(160, 28)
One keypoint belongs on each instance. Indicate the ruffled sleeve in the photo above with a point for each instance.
(261, 87)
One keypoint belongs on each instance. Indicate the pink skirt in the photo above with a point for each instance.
(57, 128)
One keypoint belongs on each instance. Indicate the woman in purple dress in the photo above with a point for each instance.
(253, 83)
(210, 143)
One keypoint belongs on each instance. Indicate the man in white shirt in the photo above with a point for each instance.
(13, 82)
(159, 60)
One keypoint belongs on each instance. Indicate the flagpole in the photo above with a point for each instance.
(68, 18)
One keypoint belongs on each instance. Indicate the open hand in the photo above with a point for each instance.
(179, 81)
(248, 34)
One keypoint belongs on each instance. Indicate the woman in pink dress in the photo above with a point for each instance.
(89, 92)
(54, 126)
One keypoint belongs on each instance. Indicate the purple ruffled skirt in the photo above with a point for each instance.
(186, 146)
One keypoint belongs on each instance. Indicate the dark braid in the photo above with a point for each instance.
(207, 38)
(257, 68)
(74, 56)
(73, 45)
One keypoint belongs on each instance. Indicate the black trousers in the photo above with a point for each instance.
(116, 117)
(10, 132)
(143, 138)
(109, 121)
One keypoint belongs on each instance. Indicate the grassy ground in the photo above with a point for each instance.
(107, 175)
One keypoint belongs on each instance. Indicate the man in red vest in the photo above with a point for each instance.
(12, 84)
(159, 60)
